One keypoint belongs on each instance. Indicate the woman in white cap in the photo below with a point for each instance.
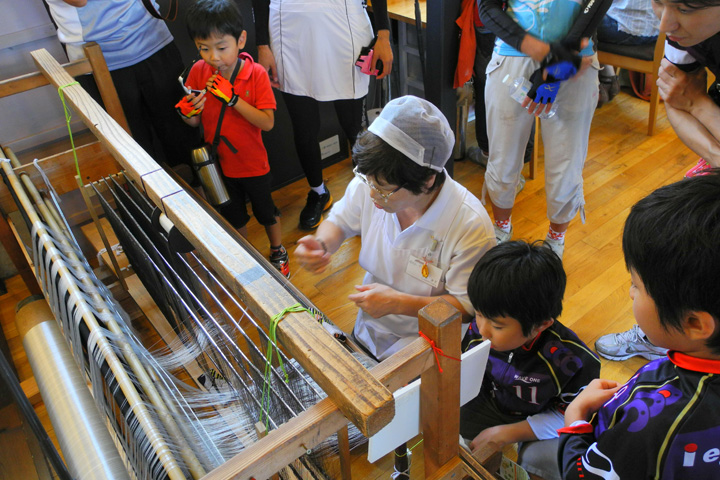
(422, 232)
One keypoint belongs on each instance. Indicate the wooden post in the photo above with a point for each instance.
(105, 84)
(440, 391)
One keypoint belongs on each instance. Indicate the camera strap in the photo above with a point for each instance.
(216, 140)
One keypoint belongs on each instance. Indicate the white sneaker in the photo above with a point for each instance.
(556, 246)
(521, 184)
(501, 235)
(623, 345)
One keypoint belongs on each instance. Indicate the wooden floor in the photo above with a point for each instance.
(623, 166)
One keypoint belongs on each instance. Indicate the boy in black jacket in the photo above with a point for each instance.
(536, 365)
(664, 422)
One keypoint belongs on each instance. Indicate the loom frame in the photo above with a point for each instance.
(365, 399)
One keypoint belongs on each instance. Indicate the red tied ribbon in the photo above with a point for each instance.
(437, 351)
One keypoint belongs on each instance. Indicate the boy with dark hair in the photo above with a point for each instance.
(693, 110)
(242, 101)
(536, 365)
(669, 407)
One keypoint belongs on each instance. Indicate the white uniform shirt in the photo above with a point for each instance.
(316, 44)
(456, 220)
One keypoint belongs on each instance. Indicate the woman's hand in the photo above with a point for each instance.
(383, 51)
(312, 254)
(267, 60)
(375, 299)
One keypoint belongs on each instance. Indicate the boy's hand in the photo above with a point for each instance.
(190, 105)
(590, 400)
(492, 439)
(681, 90)
(222, 89)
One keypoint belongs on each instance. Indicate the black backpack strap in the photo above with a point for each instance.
(216, 140)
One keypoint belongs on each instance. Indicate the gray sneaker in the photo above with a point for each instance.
(623, 345)
(501, 235)
(476, 155)
(556, 246)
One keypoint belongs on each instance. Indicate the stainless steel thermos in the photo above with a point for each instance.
(208, 171)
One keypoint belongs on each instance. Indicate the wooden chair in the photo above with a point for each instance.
(644, 59)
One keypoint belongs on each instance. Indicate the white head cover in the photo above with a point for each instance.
(418, 129)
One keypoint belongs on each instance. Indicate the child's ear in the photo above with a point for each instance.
(699, 325)
(242, 39)
(543, 326)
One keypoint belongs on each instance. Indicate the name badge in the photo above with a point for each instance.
(423, 271)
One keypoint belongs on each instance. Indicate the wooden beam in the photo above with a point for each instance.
(363, 400)
(94, 162)
(270, 454)
(31, 81)
(105, 84)
(439, 387)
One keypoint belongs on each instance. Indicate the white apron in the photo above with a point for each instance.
(316, 43)
(387, 258)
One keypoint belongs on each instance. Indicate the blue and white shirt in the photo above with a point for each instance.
(124, 29)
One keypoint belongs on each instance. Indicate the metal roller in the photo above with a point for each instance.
(86, 444)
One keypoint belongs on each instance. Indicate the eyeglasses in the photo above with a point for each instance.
(364, 179)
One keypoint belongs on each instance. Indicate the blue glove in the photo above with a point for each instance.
(559, 65)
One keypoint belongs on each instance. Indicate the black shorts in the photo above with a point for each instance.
(258, 190)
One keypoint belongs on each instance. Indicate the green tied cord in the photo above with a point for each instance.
(409, 449)
(274, 321)
(68, 116)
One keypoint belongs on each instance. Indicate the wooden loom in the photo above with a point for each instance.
(354, 394)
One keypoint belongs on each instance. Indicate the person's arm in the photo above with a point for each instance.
(261, 12)
(499, 436)
(314, 252)
(694, 116)
(378, 300)
(263, 118)
(465, 249)
(503, 26)
(382, 50)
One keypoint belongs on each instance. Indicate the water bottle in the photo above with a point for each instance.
(518, 91)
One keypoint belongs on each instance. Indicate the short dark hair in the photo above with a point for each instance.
(697, 4)
(207, 17)
(373, 156)
(524, 281)
(672, 241)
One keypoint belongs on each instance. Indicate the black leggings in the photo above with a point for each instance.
(305, 118)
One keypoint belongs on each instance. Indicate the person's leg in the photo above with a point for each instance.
(160, 90)
(267, 214)
(509, 126)
(539, 458)
(609, 32)
(565, 139)
(483, 52)
(235, 211)
(305, 117)
(350, 114)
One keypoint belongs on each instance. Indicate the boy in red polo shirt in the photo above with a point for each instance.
(233, 79)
